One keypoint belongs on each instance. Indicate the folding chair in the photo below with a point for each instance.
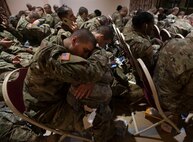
(12, 90)
(179, 36)
(156, 32)
(165, 35)
(150, 93)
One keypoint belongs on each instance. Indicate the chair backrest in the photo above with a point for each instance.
(149, 88)
(179, 36)
(12, 89)
(156, 32)
(165, 35)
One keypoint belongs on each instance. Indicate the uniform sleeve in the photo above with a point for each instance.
(143, 50)
(77, 69)
(7, 57)
(186, 81)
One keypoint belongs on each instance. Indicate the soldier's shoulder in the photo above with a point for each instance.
(70, 58)
(133, 36)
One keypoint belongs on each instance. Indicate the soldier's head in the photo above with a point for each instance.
(104, 35)
(48, 9)
(123, 11)
(39, 10)
(119, 7)
(175, 10)
(65, 12)
(103, 20)
(83, 12)
(29, 6)
(97, 12)
(83, 43)
(181, 14)
(55, 7)
(33, 16)
(143, 23)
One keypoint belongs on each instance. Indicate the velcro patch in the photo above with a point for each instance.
(65, 57)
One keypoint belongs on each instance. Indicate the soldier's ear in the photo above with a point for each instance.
(74, 41)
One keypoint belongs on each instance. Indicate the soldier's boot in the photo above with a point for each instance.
(103, 129)
(78, 120)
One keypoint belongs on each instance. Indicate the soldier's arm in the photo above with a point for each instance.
(77, 69)
(17, 49)
(7, 57)
(186, 81)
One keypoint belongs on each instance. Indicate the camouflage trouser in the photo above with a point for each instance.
(12, 129)
(102, 124)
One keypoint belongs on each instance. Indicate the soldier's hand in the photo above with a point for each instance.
(29, 50)
(74, 26)
(6, 43)
(36, 22)
(16, 60)
(83, 90)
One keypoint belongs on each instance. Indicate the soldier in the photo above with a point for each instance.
(173, 15)
(96, 13)
(45, 18)
(82, 16)
(180, 26)
(104, 35)
(118, 18)
(139, 40)
(173, 79)
(48, 10)
(53, 70)
(94, 23)
(65, 27)
(55, 7)
(29, 29)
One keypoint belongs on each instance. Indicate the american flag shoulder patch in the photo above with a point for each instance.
(65, 57)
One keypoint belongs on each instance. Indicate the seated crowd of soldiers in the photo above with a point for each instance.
(70, 61)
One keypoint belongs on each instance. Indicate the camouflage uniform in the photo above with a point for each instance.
(141, 47)
(35, 34)
(173, 79)
(118, 20)
(55, 18)
(180, 26)
(48, 81)
(8, 54)
(47, 19)
(91, 24)
(79, 21)
(12, 128)
(128, 27)
(100, 98)
(173, 75)
(62, 31)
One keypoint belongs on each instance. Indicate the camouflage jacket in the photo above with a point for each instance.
(61, 32)
(55, 18)
(47, 19)
(79, 21)
(53, 70)
(128, 27)
(173, 75)
(141, 47)
(118, 20)
(91, 24)
(34, 34)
